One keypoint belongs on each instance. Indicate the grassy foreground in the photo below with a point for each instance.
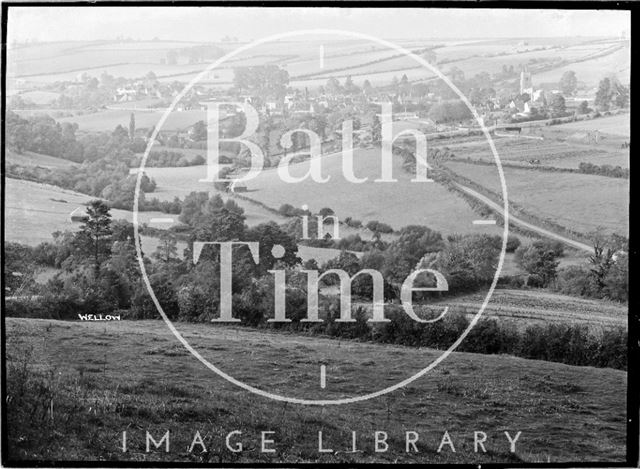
(73, 388)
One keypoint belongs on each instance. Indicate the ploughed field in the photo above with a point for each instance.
(525, 307)
(107, 377)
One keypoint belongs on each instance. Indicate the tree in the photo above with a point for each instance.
(367, 89)
(199, 132)
(262, 81)
(167, 249)
(346, 261)
(333, 86)
(326, 212)
(604, 94)
(403, 254)
(120, 134)
(447, 111)
(539, 260)
(17, 132)
(19, 268)
(349, 86)
(583, 108)
(621, 96)
(192, 207)
(469, 261)
(405, 86)
(558, 105)
(269, 235)
(394, 83)
(132, 126)
(376, 130)
(568, 83)
(94, 237)
(605, 251)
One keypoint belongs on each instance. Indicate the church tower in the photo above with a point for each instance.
(525, 82)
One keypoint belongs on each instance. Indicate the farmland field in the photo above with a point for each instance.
(567, 199)
(40, 97)
(106, 371)
(398, 204)
(590, 72)
(559, 148)
(615, 125)
(541, 307)
(110, 119)
(180, 182)
(54, 62)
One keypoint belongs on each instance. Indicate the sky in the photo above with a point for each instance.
(202, 24)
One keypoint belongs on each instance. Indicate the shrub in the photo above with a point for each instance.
(489, 337)
(513, 243)
(376, 226)
(142, 306)
(573, 280)
(326, 212)
(353, 223)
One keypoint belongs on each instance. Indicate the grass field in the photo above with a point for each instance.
(590, 72)
(105, 378)
(40, 97)
(110, 119)
(33, 211)
(559, 148)
(396, 203)
(617, 125)
(29, 158)
(579, 202)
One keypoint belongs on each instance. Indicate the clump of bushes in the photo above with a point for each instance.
(353, 223)
(604, 170)
(288, 210)
(376, 226)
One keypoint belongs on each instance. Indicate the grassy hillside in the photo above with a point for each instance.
(33, 211)
(29, 158)
(105, 378)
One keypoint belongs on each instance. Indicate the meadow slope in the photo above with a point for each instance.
(135, 376)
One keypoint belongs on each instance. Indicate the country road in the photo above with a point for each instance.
(517, 221)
